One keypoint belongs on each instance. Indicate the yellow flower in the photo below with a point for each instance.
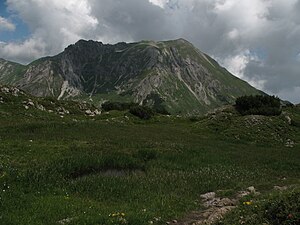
(247, 203)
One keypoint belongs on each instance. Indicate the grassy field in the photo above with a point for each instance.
(117, 169)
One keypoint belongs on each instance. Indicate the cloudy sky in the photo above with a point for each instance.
(257, 40)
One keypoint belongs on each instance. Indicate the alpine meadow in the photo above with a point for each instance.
(143, 133)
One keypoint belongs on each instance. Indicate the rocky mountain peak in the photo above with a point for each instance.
(171, 75)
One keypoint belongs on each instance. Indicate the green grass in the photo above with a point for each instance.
(86, 168)
(276, 208)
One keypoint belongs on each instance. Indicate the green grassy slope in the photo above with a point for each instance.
(11, 72)
(81, 169)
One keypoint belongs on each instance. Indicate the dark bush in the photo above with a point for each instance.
(139, 111)
(120, 106)
(162, 111)
(258, 105)
(142, 112)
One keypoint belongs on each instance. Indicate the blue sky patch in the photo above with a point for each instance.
(20, 33)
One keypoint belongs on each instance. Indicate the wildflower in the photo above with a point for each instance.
(247, 203)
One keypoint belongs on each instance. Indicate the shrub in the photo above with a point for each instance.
(258, 105)
(120, 106)
(142, 112)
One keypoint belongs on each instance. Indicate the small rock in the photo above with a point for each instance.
(30, 103)
(208, 196)
(15, 92)
(211, 203)
(97, 112)
(174, 221)
(288, 119)
(88, 111)
(40, 107)
(251, 189)
(289, 143)
(242, 194)
(226, 202)
(62, 111)
(216, 214)
(4, 90)
(65, 221)
(278, 188)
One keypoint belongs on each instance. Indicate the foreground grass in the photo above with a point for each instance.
(277, 208)
(118, 170)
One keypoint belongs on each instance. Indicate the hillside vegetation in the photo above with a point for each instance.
(63, 162)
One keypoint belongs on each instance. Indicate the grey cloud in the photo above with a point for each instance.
(130, 20)
(262, 34)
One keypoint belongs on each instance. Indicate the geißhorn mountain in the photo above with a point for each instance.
(173, 75)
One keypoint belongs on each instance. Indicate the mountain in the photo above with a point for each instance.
(171, 75)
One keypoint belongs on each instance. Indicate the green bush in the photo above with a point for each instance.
(258, 105)
(142, 112)
(120, 106)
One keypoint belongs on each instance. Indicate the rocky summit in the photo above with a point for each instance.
(169, 75)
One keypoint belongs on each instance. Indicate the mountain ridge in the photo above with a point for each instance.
(173, 75)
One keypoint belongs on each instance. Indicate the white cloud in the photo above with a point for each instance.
(32, 48)
(257, 40)
(237, 63)
(233, 34)
(6, 25)
(54, 25)
(160, 3)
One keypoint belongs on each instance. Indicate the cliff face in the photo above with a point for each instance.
(173, 75)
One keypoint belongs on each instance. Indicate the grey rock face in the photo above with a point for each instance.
(173, 75)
